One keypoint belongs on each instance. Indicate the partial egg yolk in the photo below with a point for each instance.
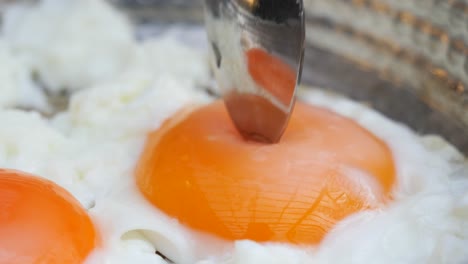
(41, 222)
(198, 169)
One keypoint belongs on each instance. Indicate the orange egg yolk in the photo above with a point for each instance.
(198, 169)
(41, 222)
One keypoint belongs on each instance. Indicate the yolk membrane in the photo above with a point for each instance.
(41, 222)
(198, 168)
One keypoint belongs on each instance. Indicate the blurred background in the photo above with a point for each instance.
(406, 58)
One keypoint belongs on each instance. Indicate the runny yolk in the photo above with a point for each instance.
(198, 169)
(40, 222)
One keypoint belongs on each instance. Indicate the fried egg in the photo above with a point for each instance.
(41, 222)
(156, 172)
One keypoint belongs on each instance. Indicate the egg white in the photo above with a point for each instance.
(16, 86)
(71, 43)
(123, 89)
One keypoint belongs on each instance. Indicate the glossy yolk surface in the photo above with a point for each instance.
(40, 222)
(198, 169)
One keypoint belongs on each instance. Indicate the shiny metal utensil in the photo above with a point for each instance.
(258, 49)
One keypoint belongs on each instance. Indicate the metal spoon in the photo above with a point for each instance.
(257, 48)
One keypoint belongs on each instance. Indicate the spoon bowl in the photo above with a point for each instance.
(257, 53)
